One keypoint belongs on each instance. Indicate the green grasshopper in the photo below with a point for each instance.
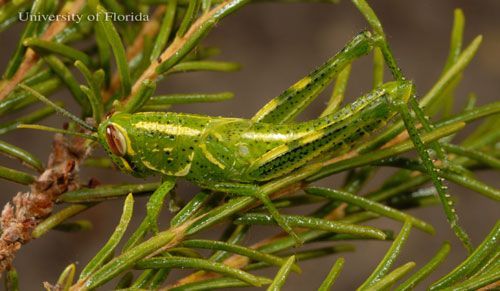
(236, 155)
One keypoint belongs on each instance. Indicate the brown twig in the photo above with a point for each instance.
(28, 209)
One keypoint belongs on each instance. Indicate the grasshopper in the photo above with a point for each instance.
(235, 155)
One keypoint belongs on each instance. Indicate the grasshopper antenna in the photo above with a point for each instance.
(57, 107)
(52, 129)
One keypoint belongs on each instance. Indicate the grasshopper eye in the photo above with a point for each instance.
(116, 141)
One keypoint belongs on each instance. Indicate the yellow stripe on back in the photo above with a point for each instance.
(167, 128)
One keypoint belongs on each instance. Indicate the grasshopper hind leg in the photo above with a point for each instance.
(255, 191)
(285, 107)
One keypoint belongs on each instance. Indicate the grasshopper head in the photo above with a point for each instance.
(113, 134)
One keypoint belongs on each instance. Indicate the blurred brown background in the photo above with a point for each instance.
(277, 44)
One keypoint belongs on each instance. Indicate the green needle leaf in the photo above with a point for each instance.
(282, 275)
(474, 155)
(486, 249)
(216, 284)
(427, 269)
(199, 264)
(488, 264)
(58, 218)
(457, 34)
(479, 138)
(189, 17)
(332, 275)
(471, 183)
(11, 280)
(457, 68)
(113, 241)
(44, 46)
(94, 92)
(194, 66)
(165, 30)
(446, 102)
(392, 277)
(189, 98)
(153, 206)
(104, 50)
(16, 176)
(315, 223)
(156, 201)
(473, 114)
(66, 278)
(311, 235)
(390, 257)
(22, 155)
(30, 118)
(478, 282)
(127, 259)
(115, 42)
(371, 206)
(106, 192)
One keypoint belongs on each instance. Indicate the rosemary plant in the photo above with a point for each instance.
(250, 171)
